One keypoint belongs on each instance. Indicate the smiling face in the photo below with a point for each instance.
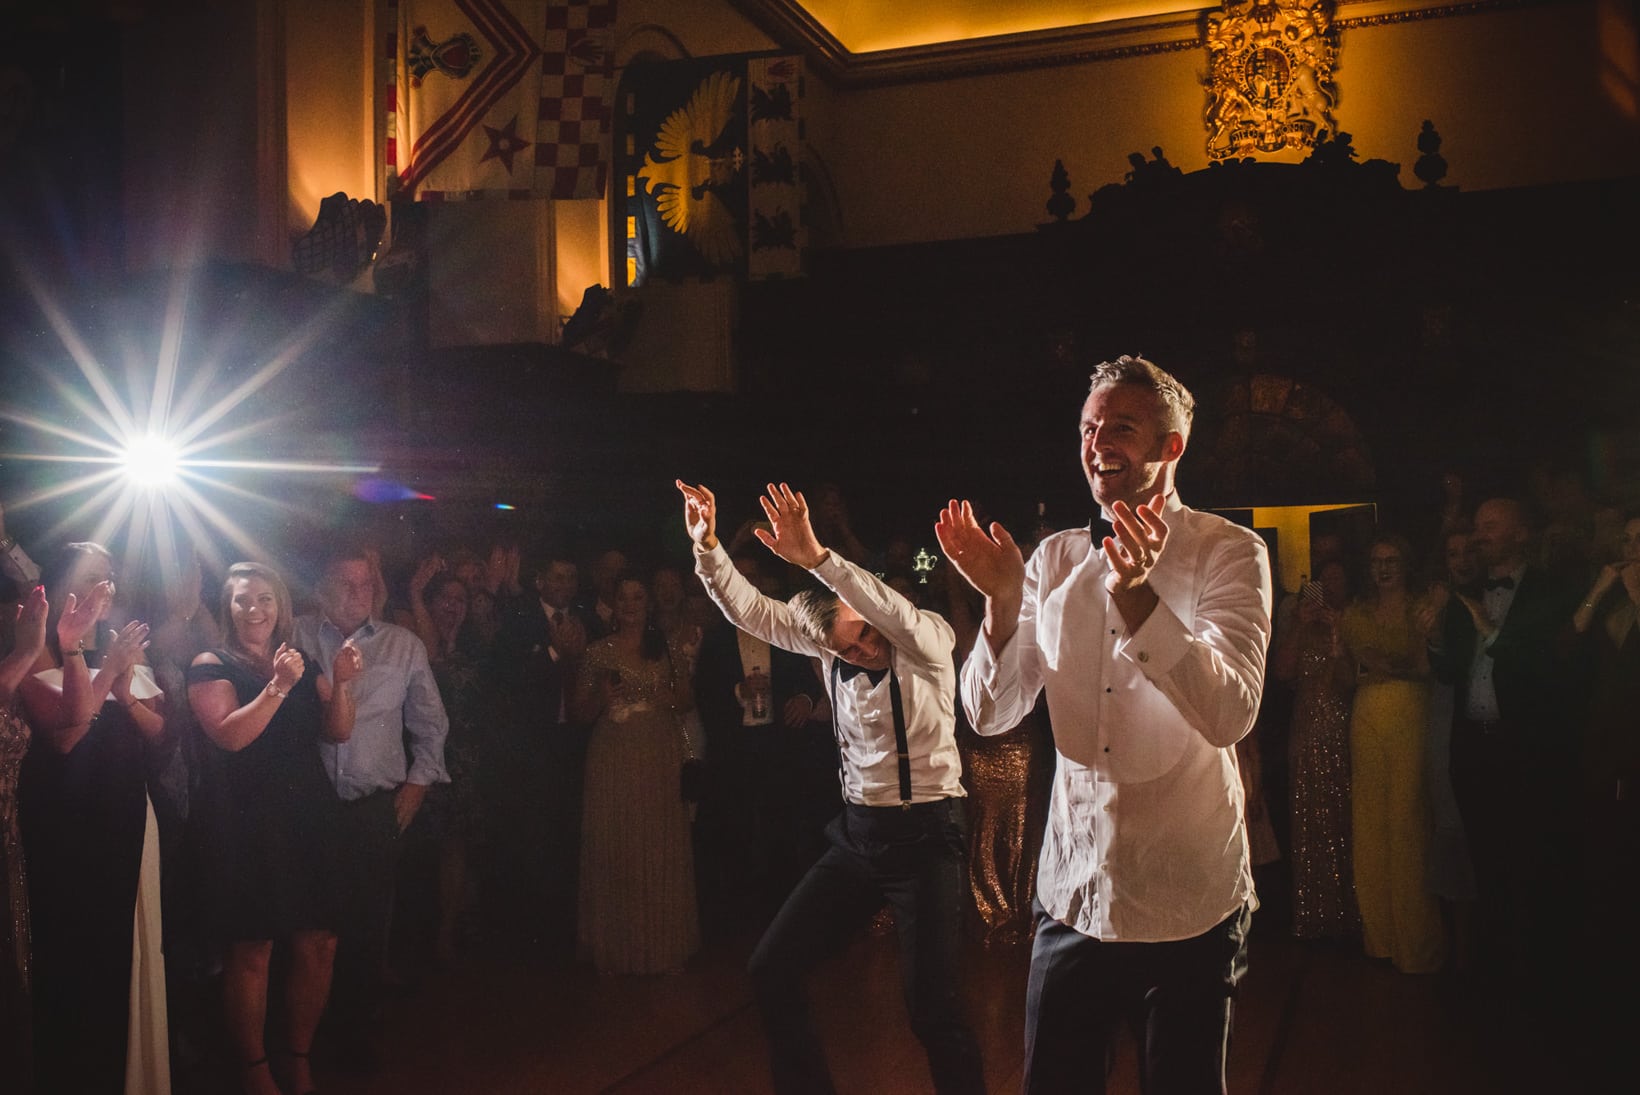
(1127, 450)
(253, 606)
(857, 642)
(1386, 566)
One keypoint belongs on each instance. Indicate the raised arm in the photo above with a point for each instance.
(791, 536)
(741, 603)
(990, 562)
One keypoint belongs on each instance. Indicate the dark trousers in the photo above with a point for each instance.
(1514, 801)
(914, 859)
(369, 848)
(1175, 997)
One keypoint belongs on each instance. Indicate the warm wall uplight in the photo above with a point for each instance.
(1292, 525)
(330, 105)
(1620, 56)
(865, 28)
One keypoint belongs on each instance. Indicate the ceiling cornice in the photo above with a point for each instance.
(791, 25)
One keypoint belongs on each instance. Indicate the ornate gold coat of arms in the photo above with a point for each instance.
(1269, 76)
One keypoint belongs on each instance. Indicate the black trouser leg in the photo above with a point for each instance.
(928, 901)
(832, 902)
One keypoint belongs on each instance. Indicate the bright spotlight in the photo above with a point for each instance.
(151, 462)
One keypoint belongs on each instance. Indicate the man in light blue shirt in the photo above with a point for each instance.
(381, 773)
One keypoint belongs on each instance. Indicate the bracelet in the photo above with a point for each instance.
(274, 688)
(7, 544)
(77, 652)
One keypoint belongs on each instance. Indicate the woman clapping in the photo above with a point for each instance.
(265, 706)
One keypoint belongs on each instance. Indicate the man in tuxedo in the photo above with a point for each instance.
(758, 828)
(1504, 646)
(538, 783)
(902, 836)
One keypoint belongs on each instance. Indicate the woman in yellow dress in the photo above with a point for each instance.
(1400, 918)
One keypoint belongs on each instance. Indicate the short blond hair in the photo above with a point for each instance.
(814, 611)
(1178, 405)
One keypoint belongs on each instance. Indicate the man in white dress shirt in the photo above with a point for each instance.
(1150, 642)
(902, 835)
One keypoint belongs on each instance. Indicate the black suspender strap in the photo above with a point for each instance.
(901, 748)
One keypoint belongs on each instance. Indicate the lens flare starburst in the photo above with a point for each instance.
(167, 469)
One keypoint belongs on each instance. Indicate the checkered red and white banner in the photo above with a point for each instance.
(500, 98)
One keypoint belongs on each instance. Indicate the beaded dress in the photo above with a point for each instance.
(1319, 742)
(637, 899)
(15, 1028)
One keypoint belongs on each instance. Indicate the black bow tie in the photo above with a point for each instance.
(1100, 527)
(1498, 583)
(847, 671)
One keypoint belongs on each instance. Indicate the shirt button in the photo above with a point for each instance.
(1107, 807)
(1113, 631)
(1107, 690)
(1143, 657)
(1107, 748)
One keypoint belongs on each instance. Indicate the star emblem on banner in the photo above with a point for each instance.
(505, 143)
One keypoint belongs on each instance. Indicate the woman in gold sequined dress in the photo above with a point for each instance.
(1312, 656)
(27, 640)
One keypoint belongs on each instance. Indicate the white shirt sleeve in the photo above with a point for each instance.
(1213, 671)
(999, 690)
(746, 608)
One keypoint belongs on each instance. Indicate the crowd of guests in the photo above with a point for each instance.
(1461, 741)
(407, 759)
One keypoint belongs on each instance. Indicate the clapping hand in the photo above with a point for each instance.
(348, 665)
(288, 666)
(990, 561)
(79, 617)
(125, 648)
(29, 633)
(1141, 534)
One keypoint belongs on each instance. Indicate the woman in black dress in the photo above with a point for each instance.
(265, 707)
(91, 842)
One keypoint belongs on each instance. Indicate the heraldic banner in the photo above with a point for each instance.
(710, 167)
(499, 98)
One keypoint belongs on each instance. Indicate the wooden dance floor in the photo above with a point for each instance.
(1312, 1020)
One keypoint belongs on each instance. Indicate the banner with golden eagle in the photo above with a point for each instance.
(499, 98)
(711, 167)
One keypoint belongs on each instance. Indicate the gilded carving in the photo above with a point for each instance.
(1269, 76)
